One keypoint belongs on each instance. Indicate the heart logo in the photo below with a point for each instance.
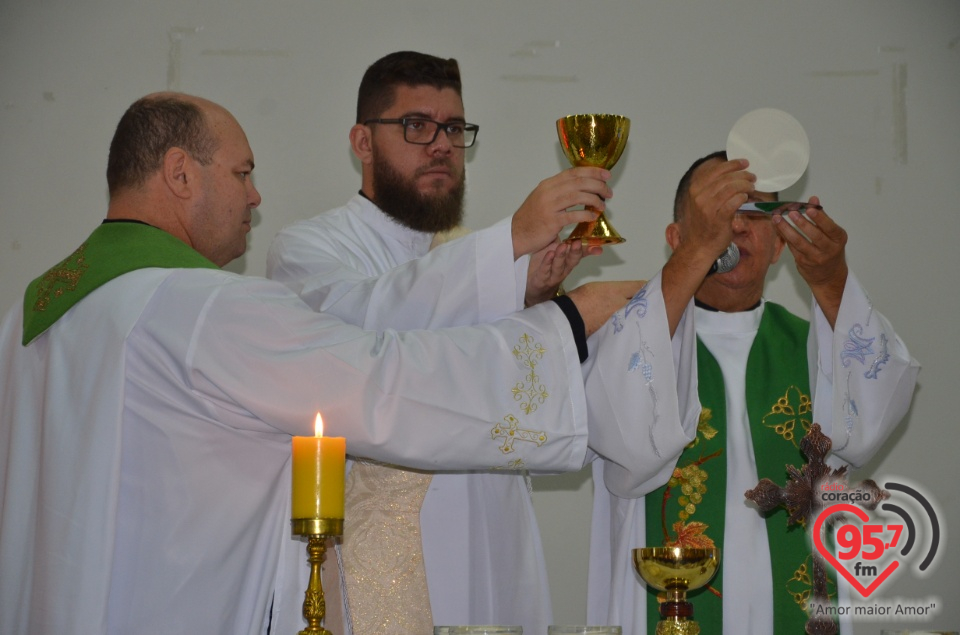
(829, 557)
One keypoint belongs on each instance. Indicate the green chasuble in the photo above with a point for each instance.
(689, 510)
(113, 249)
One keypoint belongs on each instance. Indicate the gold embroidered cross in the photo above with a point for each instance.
(531, 393)
(510, 432)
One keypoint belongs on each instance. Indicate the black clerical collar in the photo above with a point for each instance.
(707, 307)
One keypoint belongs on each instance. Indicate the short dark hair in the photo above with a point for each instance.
(684, 186)
(403, 68)
(151, 126)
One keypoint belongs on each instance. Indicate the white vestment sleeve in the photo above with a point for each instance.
(641, 393)
(664, 380)
(470, 280)
(865, 376)
(438, 400)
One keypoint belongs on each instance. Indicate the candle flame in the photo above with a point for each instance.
(318, 426)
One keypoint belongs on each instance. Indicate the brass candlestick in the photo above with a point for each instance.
(594, 140)
(676, 570)
(317, 531)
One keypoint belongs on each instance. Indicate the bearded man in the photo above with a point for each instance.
(370, 262)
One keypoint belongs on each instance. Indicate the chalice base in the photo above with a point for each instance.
(594, 233)
(677, 626)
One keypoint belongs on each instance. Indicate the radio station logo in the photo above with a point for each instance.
(869, 541)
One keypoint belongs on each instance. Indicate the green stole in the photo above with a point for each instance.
(689, 510)
(113, 249)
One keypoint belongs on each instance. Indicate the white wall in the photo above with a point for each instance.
(876, 83)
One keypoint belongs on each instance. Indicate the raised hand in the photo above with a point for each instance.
(545, 211)
(717, 189)
(548, 269)
(818, 246)
(703, 229)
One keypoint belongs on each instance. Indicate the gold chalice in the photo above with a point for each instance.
(676, 570)
(594, 140)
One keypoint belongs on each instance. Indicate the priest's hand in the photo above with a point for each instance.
(818, 249)
(549, 267)
(702, 230)
(546, 211)
(597, 301)
(705, 214)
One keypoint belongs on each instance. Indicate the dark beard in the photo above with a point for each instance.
(401, 200)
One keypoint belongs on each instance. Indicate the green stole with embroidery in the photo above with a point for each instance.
(689, 510)
(113, 249)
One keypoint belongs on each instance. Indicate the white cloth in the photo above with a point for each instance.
(481, 544)
(145, 442)
(855, 407)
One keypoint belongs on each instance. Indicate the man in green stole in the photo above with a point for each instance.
(769, 412)
(759, 369)
(755, 435)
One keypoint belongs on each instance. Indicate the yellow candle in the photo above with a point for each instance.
(318, 471)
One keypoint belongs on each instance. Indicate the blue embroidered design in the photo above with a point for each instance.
(856, 347)
(881, 359)
(850, 417)
(638, 360)
(646, 368)
(638, 302)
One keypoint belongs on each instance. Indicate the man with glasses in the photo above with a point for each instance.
(371, 263)
(410, 138)
(757, 372)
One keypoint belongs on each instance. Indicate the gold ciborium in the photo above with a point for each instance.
(676, 570)
(594, 140)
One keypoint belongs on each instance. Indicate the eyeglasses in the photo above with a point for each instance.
(423, 132)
